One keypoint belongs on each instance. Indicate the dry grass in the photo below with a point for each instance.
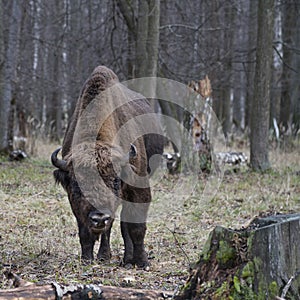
(38, 235)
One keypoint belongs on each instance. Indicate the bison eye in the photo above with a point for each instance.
(132, 151)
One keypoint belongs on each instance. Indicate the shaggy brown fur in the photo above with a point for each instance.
(91, 143)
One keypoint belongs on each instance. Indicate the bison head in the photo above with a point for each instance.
(90, 174)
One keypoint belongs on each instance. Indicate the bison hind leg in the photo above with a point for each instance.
(133, 232)
(135, 254)
(137, 232)
(128, 255)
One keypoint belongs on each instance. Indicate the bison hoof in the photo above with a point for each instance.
(86, 261)
(104, 254)
(128, 266)
(139, 265)
(103, 257)
(143, 265)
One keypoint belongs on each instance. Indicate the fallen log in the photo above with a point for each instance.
(261, 261)
(29, 291)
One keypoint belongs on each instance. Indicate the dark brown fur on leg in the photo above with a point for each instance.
(104, 253)
(133, 235)
(87, 242)
(134, 232)
(128, 255)
(137, 233)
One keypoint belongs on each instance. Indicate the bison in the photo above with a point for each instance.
(103, 165)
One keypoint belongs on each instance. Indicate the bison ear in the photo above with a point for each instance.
(62, 178)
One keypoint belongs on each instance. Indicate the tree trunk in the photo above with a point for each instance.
(228, 42)
(261, 101)
(141, 39)
(214, 42)
(239, 78)
(295, 98)
(226, 121)
(250, 57)
(288, 27)
(75, 64)
(3, 105)
(153, 37)
(152, 45)
(275, 96)
(127, 10)
(261, 261)
(55, 105)
(146, 33)
(147, 43)
(9, 69)
(295, 87)
(237, 114)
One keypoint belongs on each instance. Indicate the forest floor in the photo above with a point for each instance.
(38, 232)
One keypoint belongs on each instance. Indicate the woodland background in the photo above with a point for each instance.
(250, 50)
(49, 48)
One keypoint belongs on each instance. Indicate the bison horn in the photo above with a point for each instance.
(58, 163)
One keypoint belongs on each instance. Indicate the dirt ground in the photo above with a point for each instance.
(38, 232)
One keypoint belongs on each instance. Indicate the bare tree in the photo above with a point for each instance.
(61, 42)
(250, 65)
(295, 87)
(142, 20)
(229, 19)
(261, 101)
(9, 72)
(3, 142)
(288, 29)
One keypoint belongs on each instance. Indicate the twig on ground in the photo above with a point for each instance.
(180, 247)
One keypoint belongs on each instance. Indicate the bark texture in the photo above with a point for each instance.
(261, 101)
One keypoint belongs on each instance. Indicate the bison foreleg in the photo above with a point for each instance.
(87, 242)
(104, 249)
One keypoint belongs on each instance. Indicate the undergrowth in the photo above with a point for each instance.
(38, 232)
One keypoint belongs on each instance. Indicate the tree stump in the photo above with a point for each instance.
(259, 262)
